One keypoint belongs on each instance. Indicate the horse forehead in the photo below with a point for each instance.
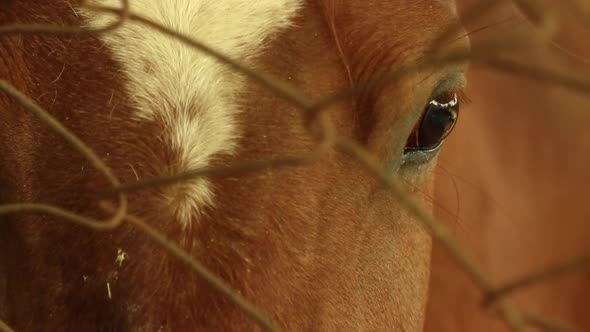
(403, 18)
(194, 95)
(191, 93)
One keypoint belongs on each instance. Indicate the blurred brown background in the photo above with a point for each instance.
(512, 184)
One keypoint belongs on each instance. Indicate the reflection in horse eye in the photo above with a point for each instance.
(436, 123)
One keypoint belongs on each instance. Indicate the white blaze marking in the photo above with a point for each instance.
(192, 93)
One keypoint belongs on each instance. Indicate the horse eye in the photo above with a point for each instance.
(434, 126)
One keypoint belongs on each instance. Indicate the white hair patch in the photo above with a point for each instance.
(191, 92)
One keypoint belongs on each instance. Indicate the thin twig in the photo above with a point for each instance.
(434, 228)
(283, 89)
(4, 327)
(57, 30)
(534, 12)
(484, 54)
(511, 317)
(547, 325)
(84, 149)
(198, 269)
(480, 9)
(327, 136)
(224, 170)
(539, 74)
(575, 265)
(119, 213)
(580, 8)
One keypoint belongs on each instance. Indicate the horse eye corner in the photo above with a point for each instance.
(438, 119)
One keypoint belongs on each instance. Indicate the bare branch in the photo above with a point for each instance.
(486, 54)
(546, 325)
(111, 223)
(176, 252)
(575, 265)
(4, 327)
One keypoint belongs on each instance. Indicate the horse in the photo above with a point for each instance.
(320, 246)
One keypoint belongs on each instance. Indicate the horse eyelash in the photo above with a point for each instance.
(461, 93)
(463, 97)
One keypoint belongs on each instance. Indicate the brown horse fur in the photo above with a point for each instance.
(322, 247)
